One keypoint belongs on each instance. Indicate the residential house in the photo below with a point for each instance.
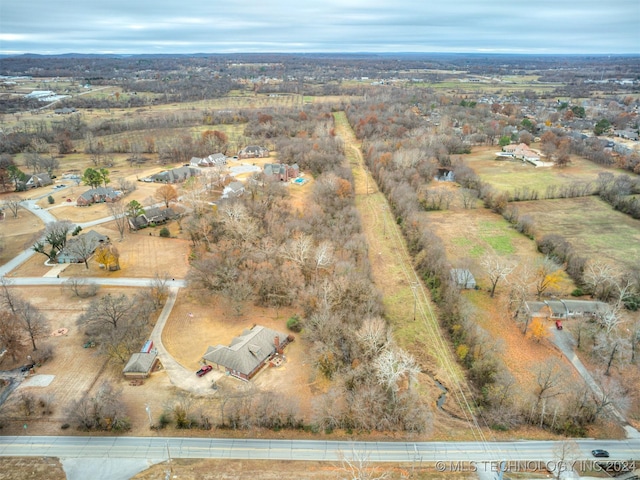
(463, 278)
(141, 364)
(281, 172)
(562, 309)
(99, 195)
(210, 161)
(249, 352)
(38, 180)
(152, 215)
(176, 175)
(253, 151)
(77, 248)
(233, 190)
(521, 151)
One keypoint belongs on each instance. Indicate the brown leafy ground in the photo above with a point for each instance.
(16, 234)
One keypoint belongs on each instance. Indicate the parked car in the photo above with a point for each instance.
(600, 453)
(204, 370)
(558, 324)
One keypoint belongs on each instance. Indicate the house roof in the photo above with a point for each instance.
(246, 351)
(140, 363)
(94, 238)
(462, 276)
(101, 192)
(175, 174)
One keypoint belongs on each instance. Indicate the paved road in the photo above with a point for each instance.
(316, 450)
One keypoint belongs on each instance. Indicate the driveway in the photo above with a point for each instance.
(566, 344)
(180, 376)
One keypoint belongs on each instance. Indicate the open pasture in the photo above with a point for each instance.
(506, 175)
(594, 229)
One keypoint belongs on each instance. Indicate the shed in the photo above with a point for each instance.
(463, 278)
(140, 365)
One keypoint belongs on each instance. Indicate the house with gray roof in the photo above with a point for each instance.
(249, 352)
(140, 365)
(210, 161)
(98, 195)
(152, 216)
(253, 151)
(281, 171)
(175, 175)
(563, 308)
(233, 190)
(79, 248)
(38, 180)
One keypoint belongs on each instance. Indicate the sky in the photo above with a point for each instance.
(232, 26)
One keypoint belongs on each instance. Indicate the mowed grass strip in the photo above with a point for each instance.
(392, 270)
(592, 227)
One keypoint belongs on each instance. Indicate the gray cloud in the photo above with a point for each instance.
(167, 26)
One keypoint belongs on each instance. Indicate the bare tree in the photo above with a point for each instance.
(109, 311)
(159, 290)
(12, 202)
(469, 198)
(391, 366)
(32, 322)
(81, 287)
(601, 279)
(497, 269)
(82, 247)
(374, 335)
(549, 380)
(119, 212)
(11, 336)
(610, 393)
(358, 466)
(565, 454)
(104, 411)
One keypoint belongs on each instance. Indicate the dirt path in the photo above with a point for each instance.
(406, 299)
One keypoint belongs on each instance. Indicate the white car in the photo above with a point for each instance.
(36, 207)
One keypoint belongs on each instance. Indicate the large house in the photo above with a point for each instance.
(281, 172)
(210, 161)
(77, 248)
(253, 151)
(151, 216)
(176, 175)
(38, 180)
(249, 352)
(98, 195)
(522, 151)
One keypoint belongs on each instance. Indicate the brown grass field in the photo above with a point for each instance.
(592, 227)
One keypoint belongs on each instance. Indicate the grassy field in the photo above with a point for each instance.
(593, 228)
(506, 175)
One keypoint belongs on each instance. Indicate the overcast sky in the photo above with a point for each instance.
(214, 26)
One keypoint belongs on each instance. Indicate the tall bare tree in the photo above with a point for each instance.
(12, 202)
(497, 269)
(32, 322)
(119, 212)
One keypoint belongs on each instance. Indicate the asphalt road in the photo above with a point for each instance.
(254, 449)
